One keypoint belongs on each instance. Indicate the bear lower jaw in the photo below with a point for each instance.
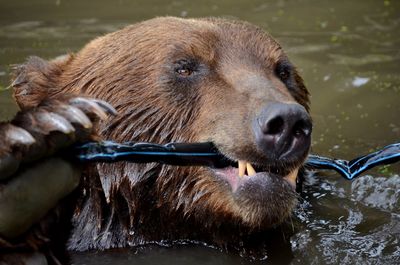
(236, 177)
(259, 201)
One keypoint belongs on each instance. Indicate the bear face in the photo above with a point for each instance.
(186, 80)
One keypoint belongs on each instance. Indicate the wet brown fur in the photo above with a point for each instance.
(129, 204)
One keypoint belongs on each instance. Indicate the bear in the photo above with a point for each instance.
(183, 80)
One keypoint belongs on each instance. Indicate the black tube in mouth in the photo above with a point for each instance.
(207, 154)
(179, 154)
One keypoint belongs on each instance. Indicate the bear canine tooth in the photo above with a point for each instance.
(291, 177)
(250, 170)
(242, 168)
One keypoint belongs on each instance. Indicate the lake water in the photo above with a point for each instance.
(349, 55)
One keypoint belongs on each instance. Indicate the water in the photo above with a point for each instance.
(348, 53)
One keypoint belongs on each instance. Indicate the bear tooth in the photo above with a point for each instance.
(250, 170)
(242, 168)
(291, 178)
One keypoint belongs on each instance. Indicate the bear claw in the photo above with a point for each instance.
(41, 131)
(14, 135)
(91, 106)
(49, 122)
(73, 115)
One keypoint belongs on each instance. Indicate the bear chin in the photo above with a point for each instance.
(262, 199)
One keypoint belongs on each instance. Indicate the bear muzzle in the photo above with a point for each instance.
(283, 131)
(282, 135)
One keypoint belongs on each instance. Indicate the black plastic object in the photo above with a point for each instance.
(205, 154)
(180, 154)
(351, 169)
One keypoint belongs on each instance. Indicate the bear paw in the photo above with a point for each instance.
(41, 131)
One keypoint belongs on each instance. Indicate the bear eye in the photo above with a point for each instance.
(185, 68)
(284, 75)
(283, 71)
(184, 71)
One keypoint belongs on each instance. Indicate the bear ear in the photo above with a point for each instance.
(33, 80)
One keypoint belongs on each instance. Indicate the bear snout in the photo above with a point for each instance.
(283, 131)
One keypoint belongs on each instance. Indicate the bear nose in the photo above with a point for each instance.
(283, 131)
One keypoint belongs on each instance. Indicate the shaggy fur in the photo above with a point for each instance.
(182, 80)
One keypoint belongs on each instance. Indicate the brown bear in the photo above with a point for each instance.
(183, 80)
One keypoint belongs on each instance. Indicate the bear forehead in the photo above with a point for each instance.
(209, 39)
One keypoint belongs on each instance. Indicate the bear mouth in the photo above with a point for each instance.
(259, 191)
(238, 176)
(240, 172)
